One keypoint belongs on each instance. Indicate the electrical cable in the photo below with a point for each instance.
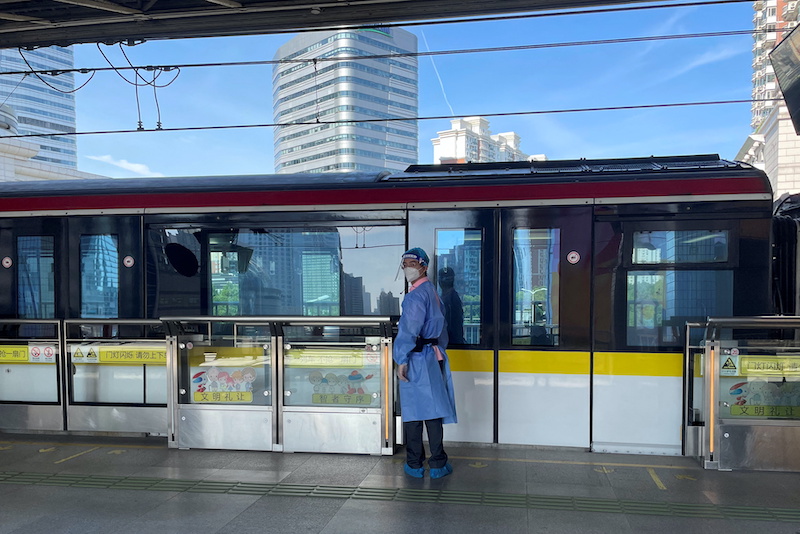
(398, 119)
(14, 89)
(54, 73)
(513, 48)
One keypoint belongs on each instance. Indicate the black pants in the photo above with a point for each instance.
(415, 450)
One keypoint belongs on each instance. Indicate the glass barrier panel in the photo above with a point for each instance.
(227, 369)
(28, 371)
(332, 366)
(118, 373)
(760, 378)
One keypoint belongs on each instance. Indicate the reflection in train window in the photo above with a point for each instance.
(316, 271)
(99, 276)
(680, 246)
(536, 286)
(36, 277)
(458, 275)
(661, 302)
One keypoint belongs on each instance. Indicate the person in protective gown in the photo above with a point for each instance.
(426, 385)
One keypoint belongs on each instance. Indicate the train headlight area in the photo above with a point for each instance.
(257, 313)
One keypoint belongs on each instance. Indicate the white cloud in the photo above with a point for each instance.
(706, 58)
(139, 169)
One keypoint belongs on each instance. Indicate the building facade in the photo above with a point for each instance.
(321, 92)
(773, 146)
(42, 108)
(469, 140)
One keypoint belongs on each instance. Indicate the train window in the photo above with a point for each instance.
(99, 276)
(680, 246)
(536, 284)
(36, 277)
(458, 275)
(660, 302)
(316, 271)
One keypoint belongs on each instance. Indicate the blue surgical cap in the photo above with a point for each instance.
(416, 253)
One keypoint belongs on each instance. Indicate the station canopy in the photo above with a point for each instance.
(40, 23)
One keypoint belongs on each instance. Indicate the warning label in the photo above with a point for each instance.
(730, 366)
(119, 354)
(27, 353)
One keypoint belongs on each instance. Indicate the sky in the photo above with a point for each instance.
(469, 84)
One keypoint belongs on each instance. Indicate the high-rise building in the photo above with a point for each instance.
(42, 108)
(321, 92)
(772, 21)
(773, 146)
(469, 140)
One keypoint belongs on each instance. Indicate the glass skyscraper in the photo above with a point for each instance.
(309, 95)
(41, 109)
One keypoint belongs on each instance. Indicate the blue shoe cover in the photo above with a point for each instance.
(439, 472)
(419, 472)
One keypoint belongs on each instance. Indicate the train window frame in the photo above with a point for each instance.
(549, 333)
(631, 228)
(453, 296)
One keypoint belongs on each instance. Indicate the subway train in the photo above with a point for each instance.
(568, 283)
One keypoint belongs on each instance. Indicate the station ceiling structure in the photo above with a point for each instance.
(40, 23)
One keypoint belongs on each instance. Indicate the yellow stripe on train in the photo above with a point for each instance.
(568, 362)
(638, 363)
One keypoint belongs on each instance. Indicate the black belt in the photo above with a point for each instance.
(421, 342)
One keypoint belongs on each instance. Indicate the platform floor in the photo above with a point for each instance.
(55, 484)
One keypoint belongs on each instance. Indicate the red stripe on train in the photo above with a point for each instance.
(383, 195)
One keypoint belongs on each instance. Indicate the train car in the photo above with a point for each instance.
(568, 283)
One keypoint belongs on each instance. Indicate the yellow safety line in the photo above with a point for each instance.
(655, 478)
(570, 462)
(76, 455)
(114, 445)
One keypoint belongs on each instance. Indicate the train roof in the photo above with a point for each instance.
(652, 179)
(534, 171)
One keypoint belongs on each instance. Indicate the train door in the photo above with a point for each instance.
(523, 276)
(461, 245)
(115, 364)
(31, 396)
(105, 268)
(543, 357)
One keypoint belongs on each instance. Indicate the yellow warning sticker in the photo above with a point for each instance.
(119, 354)
(341, 398)
(32, 353)
(765, 411)
(223, 396)
(13, 353)
(769, 366)
(325, 358)
(729, 366)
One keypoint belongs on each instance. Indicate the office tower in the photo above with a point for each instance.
(469, 140)
(773, 146)
(42, 109)
(773, 19)
(321, 92)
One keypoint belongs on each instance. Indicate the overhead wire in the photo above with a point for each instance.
(511, 48)
(159, 69)
(417, 118)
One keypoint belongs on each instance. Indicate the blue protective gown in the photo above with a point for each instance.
(428, 394)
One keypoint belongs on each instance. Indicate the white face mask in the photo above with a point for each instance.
(412, 274)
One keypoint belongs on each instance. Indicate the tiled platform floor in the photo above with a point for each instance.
(54, 484)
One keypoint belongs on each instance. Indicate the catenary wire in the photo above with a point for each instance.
(512, 48)
(399, 119)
